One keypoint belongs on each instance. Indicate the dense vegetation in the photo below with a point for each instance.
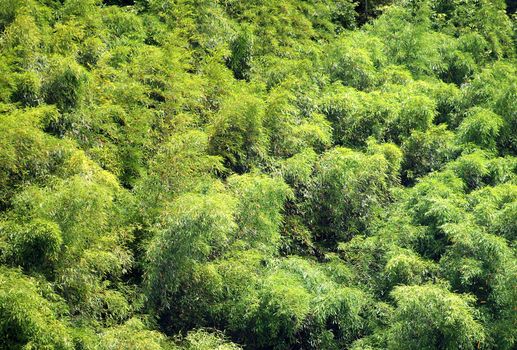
(225, 174)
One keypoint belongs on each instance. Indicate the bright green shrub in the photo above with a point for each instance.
(236, 133)
(241, 59)
(416, 114)
(289, 130)
(173, 174)
(123, 25)
(35, 247)
(347, 190)
(433, 202)
(495, 89)
(486, 18)
(294, 302)
(350, 65)
(259, 210)
(27, 89)
(26, 153)
(393, 155)
(495, 208)
(478, 263)
(297, 170)
(195, 228)
(404, 30)
(64, 85)
(206, 340)
(356, 115)
(430, 317)
(132, 335)
(407, 268)
(481, 128)
(472, 168)
(181, 165)
(27, 319)
(427, 151)
(483, 265)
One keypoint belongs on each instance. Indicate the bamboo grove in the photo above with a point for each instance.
(288, 174)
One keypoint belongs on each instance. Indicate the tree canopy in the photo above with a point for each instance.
(225, 174)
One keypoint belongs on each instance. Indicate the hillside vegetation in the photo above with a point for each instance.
(287, 174)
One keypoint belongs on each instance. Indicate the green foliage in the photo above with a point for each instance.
(293, 302)
(21, 39)
(352, 64)
(27, 319)
(485, 17)
(357, 115)
(123, 25)
(294, 174)
(393, 155)
(242, 55)
(428, 151)
(180, 166)
(430, 317)
(405, 32)
(494, 207)
(289, 130)
(494, 88)
(297, 170)
(259, 210)
(348, 188)
(132, 335)
(205, 340)
(26, 153)
(36, 246)
(408, 268)
(195, 228)
(27, 89)
(91, 255)
(417, 113)
(479, 263)
(64, 85)
(236, 131)
(480, 127)
(367, 257)
(472, 168)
